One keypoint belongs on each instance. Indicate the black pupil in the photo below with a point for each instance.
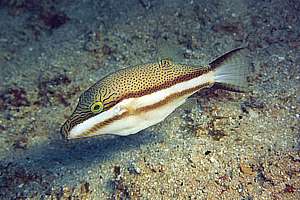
(97, 107)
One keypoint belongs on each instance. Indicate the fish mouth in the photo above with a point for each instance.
(66, 130)
(71, 122)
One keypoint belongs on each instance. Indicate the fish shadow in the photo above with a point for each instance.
(65, 160)
(60, 152)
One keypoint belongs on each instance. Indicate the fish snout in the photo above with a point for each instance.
(65, 129)
(72, 122)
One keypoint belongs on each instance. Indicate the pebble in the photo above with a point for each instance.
(253, 114)
(134, 169)
(246, 169)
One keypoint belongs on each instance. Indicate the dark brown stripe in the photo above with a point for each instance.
(165, 85)
(172, 97)
(145, 109)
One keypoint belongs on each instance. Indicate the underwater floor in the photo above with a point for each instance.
(218, 145)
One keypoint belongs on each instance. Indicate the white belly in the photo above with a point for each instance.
(134, 123)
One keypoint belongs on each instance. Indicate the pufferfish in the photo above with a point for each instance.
(135, 98)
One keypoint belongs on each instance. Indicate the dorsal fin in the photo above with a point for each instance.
(165, 62)
(225, 57)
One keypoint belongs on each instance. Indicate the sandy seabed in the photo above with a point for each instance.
(218, 145)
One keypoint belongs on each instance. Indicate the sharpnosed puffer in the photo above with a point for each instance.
(132, 99)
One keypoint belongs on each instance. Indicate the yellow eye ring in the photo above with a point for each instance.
(97, 107)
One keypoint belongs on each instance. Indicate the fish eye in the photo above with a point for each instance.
(97, 107)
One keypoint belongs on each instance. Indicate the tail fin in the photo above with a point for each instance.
(231, 71)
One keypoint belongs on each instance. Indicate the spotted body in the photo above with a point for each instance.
(135, 98)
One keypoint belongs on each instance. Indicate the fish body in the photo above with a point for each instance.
(132, 99)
